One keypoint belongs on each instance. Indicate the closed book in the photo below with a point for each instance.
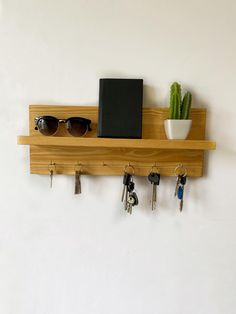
(120, 108)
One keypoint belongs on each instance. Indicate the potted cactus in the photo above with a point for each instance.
(178, 125)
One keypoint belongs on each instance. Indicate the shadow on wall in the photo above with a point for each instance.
(150, 97)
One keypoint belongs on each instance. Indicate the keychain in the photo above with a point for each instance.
(78, 171)
(181, 178)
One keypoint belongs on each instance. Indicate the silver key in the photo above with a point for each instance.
(51, 176)
(131, 201)
(77, 182)
(154, 196)
(180, 191)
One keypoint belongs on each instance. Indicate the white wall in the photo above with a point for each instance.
(61, 253)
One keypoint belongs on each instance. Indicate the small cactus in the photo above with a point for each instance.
(175, 101)
(186, 106)
(179, 109)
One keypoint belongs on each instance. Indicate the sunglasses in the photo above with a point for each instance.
(76, 126)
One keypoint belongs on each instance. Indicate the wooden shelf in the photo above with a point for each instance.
(108, 156)
(117, 143)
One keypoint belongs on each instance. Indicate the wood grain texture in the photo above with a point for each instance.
(116, 143)
(107, 161)
(109, 156)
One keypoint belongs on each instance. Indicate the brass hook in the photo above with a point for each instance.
(78, 167)
(155, 166)
(184, 170)
(129, 166)
(52, 166)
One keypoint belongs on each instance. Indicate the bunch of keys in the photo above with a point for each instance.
(132, 198)
(154, 178)
(129, 196)
(180, 183)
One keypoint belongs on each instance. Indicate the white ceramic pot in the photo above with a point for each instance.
(177, 129)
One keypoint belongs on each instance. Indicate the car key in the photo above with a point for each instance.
(132, 200)
(154, 178)
(177, 184)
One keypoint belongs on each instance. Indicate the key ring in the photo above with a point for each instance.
(129, 166)
(184, 170)
(155, 167)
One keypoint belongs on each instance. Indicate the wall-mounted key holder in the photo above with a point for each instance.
(108, 156)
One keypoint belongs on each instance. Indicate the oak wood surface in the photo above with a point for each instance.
(116, 143)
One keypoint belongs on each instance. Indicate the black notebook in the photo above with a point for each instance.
(120, 108)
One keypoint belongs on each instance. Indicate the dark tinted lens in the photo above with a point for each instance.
(47, 125)
(76, 127)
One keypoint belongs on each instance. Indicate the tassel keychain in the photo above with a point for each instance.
(51, 176)
(77, 181)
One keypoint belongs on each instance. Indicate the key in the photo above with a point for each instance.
(177, 184)
(180, 192)
(129, 188)
(77, 182)
(126, 180)
(154, 178)
(51, 176)
(183, 179)
(132, 200)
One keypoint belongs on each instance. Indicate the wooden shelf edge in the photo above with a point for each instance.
(117, 143)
